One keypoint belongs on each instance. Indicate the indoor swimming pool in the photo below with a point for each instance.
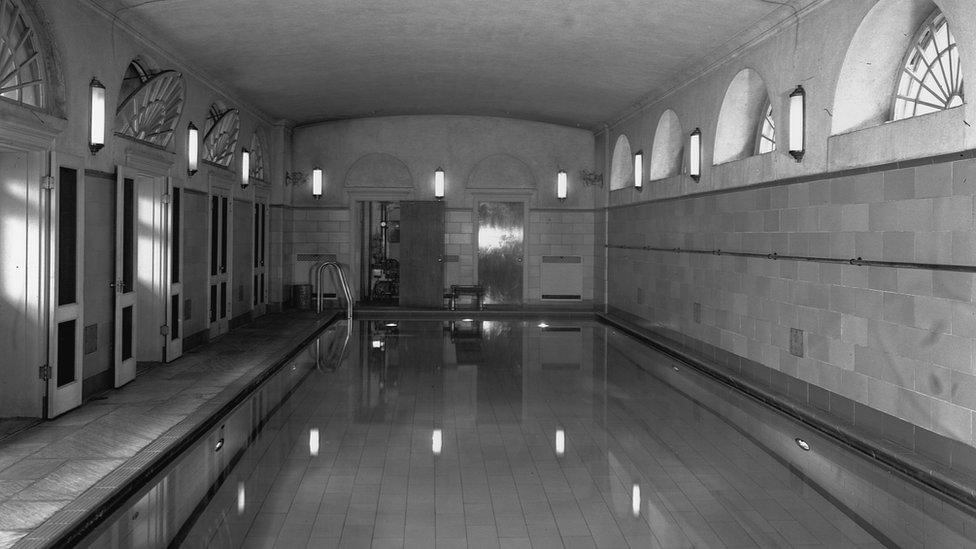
(518, 433)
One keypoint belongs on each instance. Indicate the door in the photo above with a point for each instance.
(219, 295)
(125, 291)
(67, 285)
(421, 254)
(174, 304)
(501, 250)
(260, 225)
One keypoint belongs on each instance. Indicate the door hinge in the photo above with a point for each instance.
(47, 182)
(164, 330)
(44, 372)
(165, 198)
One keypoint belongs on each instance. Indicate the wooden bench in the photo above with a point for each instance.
(476, 291)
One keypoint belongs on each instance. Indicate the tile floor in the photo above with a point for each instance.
(639, 464)
(47, 466)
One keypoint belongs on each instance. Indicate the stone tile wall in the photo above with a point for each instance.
(899, 340)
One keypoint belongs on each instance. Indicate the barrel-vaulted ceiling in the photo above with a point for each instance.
(573, 62)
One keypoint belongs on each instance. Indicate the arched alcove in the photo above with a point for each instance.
(740, 117)
(667, 148)
(259, 168)
(621, 164)
(501, 171)
(379, 170)
(221, 133)
(872, 65)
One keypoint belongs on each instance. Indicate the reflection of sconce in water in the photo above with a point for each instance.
(313, 442)
(635, 500)
(560, 442)
(241, 501)
(436, 441)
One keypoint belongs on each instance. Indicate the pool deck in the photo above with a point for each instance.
(47, 471)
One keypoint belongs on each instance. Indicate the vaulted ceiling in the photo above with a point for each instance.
(573, 62)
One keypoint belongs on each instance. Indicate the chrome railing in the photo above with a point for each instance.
(342, 282)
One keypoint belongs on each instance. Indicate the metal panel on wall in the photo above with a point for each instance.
(500, 251)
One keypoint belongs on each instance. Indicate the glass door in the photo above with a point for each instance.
(125, 291)
(501, 249)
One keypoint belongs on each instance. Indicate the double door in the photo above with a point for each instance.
(220, 273)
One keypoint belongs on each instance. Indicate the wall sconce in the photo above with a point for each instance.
(245, 168)
(96, 129)
(798, 107)
(695, 154)
(192, 149)
(639, 170)
(561, 185)
(439, 183)
(317, 183)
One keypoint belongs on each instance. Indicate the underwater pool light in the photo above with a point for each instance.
(436, 442)
(803, 444)
(543, 325)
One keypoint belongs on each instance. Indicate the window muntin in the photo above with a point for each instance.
(931, 78)
(21, 70)
(220, 139)
(766, 136)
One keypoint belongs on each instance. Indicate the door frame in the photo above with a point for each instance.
(69, 396)
(173, 338)
(504, 195)
(259, 293)
(365, 194)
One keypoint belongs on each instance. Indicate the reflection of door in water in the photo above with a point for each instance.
(500, 249)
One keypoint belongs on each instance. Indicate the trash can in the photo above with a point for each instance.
(302, 296)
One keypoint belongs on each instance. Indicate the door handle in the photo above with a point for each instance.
(519, 259)
(440, 260)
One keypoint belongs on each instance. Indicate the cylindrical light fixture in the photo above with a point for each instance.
(561, 185)
(798, 119)
(695, 154)
(96, 121)
(245, 168)
(439, 183)
(639, 170)
(192, 149)
(317, 183)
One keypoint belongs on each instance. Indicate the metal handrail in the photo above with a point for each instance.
(342, 282)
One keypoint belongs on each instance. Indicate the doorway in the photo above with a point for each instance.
(501, 251)
(220, 242)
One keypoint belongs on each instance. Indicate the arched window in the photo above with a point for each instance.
(766, 136)
(257, 157)
(150, 104)
(22, 72)
(931, 79)
(220, 134)
(621, 165)
(668, 147)
(742, 118)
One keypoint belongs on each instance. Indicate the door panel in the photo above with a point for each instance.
(220, 267)
(421, 254)
(501, 250)
(260, 242)
(174, 305)
(125, 294)
(67, 286)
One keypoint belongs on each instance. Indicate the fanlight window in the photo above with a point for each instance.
(766, 138)
(931, 78)
(21, 72)
(151, 105)
(220, 139)
(257, 157)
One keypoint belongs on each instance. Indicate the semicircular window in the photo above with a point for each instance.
(766, 137)
(931, 78)
(21, 70)
(151, 106)
(220, 137)
(257, 157)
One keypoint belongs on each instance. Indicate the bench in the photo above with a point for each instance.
(476, 291)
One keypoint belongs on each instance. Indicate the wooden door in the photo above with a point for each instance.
(219, 296)
(67, 287)
(421, 254)
(125, 289)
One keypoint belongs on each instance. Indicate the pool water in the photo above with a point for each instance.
(508, 434)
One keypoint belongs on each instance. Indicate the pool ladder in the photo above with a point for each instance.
(342, 282)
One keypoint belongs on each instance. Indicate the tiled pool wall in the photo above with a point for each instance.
(897, 511)
(156, 516)
(895, 340)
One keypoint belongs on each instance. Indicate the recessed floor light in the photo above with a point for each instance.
(543, 325)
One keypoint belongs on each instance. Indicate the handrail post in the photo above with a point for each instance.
(342, 282)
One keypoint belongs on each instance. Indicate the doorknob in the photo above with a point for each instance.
(519, 260)
(440, 260)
